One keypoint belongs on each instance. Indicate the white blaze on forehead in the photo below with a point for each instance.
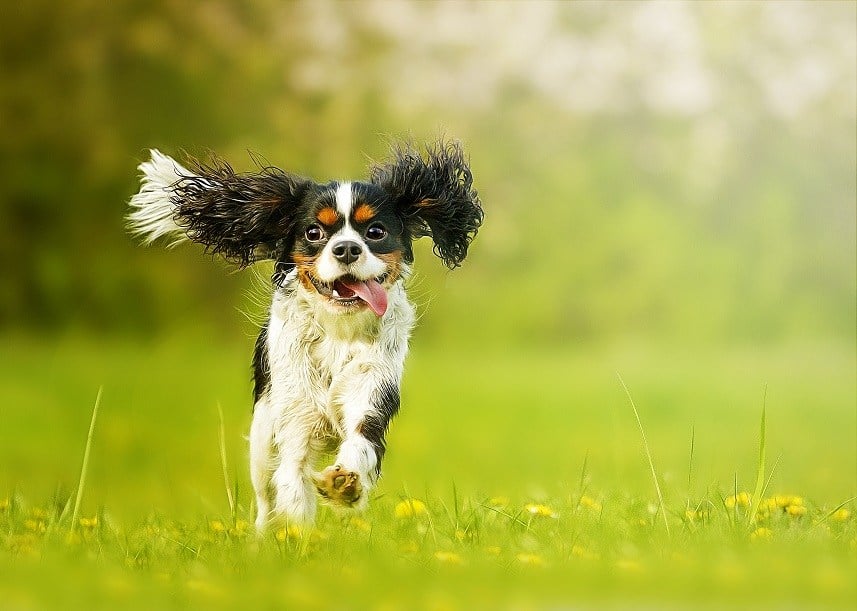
(343, 200)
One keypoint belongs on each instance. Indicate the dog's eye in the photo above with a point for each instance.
(376, 232)
(314, 233)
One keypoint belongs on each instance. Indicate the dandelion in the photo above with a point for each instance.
(410, 508)
(530, 559)
(785, 500)
(742, 499)
(35, 525)
(89, 522)
(840, 515)
(498, 501)
(293, 531)
(796, 511)
(217, 526)
(761, 534)
(4, 504)
(240, 528)
(540, 510)
(465, 535)
(589, 503)
(448, 558)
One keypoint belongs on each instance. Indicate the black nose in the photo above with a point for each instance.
(347, 252)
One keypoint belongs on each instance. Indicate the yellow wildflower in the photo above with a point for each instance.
(4, 504)
(590, 503)
(498, 501)
(293, 531)
(493, 550)
(530, 559)
(742, 499)
(448, 557)
(465, 535)
(785, 500)
(89, 522)
(217, 526)
(410, 508)
(796, 511)
(840, 515)
(540, 510)
(39, 513)
(692, 515)
(35, 525)
(240, 528)
(761, 534)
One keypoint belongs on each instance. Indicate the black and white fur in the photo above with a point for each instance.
(328, 362)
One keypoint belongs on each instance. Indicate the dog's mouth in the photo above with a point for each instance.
(351, 292)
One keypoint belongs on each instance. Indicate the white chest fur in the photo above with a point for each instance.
(328, 373)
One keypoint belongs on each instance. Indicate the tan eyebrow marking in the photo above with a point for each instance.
(363, 213)
(327, 216)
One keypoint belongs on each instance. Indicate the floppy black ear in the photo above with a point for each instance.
(242, 217)
(435, 196)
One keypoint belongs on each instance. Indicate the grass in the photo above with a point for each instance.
(511, 482)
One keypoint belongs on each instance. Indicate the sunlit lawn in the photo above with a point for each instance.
(513, 477)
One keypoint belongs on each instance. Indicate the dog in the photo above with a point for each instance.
(327, 364)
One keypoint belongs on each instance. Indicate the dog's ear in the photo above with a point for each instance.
(242, 217)
(435, 196)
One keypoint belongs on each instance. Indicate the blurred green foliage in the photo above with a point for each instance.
(679, 171)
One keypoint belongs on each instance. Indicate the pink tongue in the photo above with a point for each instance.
(371, 292)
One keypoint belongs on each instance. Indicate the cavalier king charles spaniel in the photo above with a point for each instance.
(328, 362)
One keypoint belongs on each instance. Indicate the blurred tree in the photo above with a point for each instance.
(651, 168)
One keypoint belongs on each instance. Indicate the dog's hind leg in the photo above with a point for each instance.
(294, 497)
(261, 460)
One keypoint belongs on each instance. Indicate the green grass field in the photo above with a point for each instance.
(513, 480)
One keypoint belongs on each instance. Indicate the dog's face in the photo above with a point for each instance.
(349, 246)
(349, 241)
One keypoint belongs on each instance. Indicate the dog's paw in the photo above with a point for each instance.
(339, 486)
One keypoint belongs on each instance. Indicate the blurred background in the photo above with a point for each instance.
(667, 185)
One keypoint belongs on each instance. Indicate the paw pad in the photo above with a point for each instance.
(339, 486)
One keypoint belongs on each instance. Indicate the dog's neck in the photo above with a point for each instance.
(301, 309)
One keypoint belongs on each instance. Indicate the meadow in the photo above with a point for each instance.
(669, 205)
(514, 479)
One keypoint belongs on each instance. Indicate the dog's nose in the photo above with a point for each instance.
(347, 252)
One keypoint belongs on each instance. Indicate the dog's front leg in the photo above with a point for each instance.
(366, 415)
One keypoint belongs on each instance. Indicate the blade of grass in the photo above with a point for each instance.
(648, 454)
(756, 499)
(826, 516)
(690, 462)
(83, 469)
(229, 496)
(581, 487)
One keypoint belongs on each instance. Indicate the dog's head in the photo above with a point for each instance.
(349, 241)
